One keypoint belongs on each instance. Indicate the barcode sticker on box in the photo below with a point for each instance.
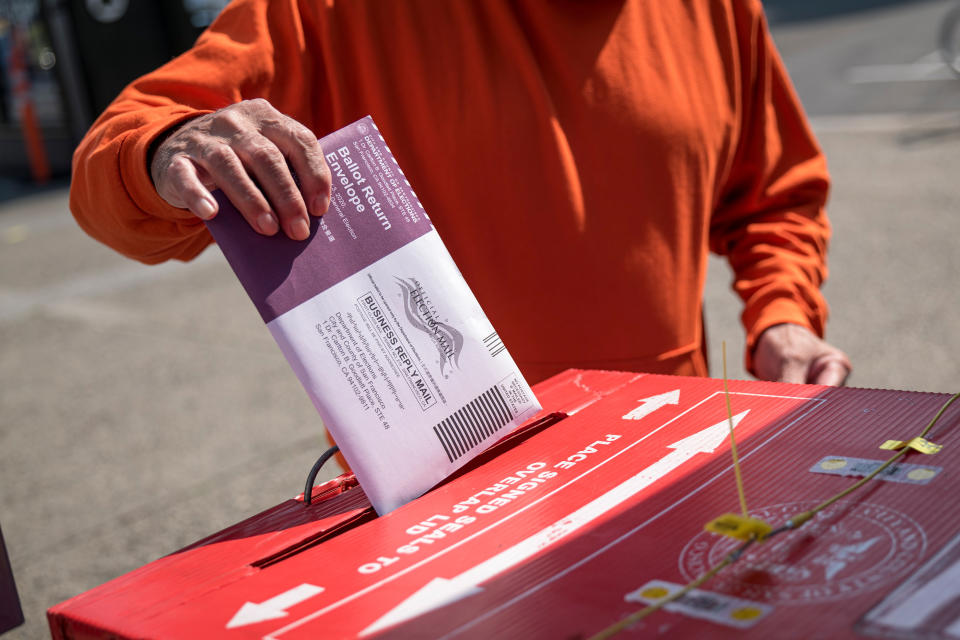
(706, 605)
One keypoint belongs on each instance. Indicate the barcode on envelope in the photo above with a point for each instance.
(494, 344)
(473, 423)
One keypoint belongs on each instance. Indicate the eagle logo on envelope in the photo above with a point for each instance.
(422, 315)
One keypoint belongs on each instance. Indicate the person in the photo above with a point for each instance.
(11, 613)
(579, 159)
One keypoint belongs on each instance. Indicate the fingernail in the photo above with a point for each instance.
(299, 230)
(206, 208)
(320, 204)
(267, 224)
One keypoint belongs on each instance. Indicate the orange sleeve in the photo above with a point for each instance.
(112, 195)
(770, 220)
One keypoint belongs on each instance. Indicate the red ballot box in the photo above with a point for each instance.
(592, 511)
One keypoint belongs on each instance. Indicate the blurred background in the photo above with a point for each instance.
(142, 408)
(64, 61)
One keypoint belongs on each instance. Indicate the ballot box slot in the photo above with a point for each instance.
(318, 538)
(348, 482)
(518, 436)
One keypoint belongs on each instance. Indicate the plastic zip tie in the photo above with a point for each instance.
(917, 444)
(736, 526)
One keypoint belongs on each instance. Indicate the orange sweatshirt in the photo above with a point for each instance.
(579, 159)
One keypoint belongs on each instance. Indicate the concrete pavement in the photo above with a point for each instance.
(142, 408)
(145, 407)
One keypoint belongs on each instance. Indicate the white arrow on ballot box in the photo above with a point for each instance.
(275, 607)
(651, 404)
(440, 592)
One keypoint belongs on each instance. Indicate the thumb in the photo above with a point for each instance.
(183, 188)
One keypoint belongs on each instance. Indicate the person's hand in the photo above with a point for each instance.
(243, 149)
(792, 353)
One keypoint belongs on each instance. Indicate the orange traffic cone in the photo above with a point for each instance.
(32, 135)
